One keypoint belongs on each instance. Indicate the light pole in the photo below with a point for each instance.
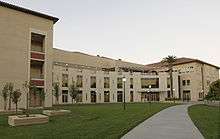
(124, 80)
(149, 96)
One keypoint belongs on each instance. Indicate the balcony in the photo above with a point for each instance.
(37, 56)
(37, 82)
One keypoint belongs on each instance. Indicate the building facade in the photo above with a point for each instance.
(27, 55)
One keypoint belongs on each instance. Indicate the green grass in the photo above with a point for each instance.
(85, 121)
(207, 120)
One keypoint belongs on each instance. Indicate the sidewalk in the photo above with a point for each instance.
(171, 123)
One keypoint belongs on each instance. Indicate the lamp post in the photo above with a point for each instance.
(173, 95)
(149, 96)
(124, 80)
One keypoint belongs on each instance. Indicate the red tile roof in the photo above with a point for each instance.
(179, 61)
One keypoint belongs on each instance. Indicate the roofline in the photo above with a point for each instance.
(28, 11)
(191, 61)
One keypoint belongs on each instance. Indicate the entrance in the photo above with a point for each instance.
(152, 96)
(35, 100)
(186, 95)
(93, 96)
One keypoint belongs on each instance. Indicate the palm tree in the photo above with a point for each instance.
(11, 90)
(169, 60)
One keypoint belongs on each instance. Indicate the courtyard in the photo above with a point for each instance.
(86, 121)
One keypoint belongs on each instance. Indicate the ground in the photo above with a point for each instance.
(86, 121)
(207, 120)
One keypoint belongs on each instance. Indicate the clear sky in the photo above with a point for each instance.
(141, 31)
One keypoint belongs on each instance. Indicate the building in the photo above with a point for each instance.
(27, 54)
(26, 50)
(194, 76)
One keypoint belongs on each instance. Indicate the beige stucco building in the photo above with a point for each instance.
(27, 54)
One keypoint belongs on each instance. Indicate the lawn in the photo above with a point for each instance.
(86, 121)
(207, 120)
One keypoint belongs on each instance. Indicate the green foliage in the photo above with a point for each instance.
(73, 90)
(56, 91)
(169, 60)
(15, 96)
(5, 91)
(42, 94)
(214, 91)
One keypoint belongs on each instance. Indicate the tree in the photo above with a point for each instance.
(214, 91)
(56, 91)
(42, 95)
(28, 87)
(169, 60)
(5, 93)
(15, 98)
(73, 90)
(11, 89)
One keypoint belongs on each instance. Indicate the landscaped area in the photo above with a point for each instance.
(207, 119)
(85, 121)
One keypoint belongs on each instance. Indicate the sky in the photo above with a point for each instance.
(140, 31)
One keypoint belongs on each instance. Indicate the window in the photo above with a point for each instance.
(79, 96)
(119, 96)
(119, 83)
(168, 82)
(93, 96)
(106, 96)
(131, 96)
(184, 82)
(65, 80)
(146, 82)
(93, 82)
(188, 82)
(106, 82)
(168, 94)
(64, 96)
(79, 81)
(131, 83)
(37, 42)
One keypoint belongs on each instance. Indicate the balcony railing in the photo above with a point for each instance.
(37, 82)
(40, 76)
(37, 55)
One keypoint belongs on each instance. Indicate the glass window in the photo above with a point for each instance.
(119, 96)
(79, 96)
(106, 96)
(146, 82)
(93, 82)
(131, 96)
(131, 83)
(184, 82)
(188, 82)
(119, 83)
(64, 96)
(106, 82)
(79, 81)
(65, 80)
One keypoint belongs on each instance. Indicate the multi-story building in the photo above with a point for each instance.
(194, 76)
(27, 54)
(26, 50)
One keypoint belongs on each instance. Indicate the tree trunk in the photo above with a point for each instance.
(5, 104)
(171, 83)
(16, 107)
(9, 105)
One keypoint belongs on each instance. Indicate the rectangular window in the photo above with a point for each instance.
(184, 82)
(79, 96)
(188, 82)
(119, 96)
(119, 83)
(106, 96)
(168, 82)
(64, 80)
(131, 96)
(93, 96)
(79, 81)
(131, 83)
(37, 42)
(146, 82)
(64, 96)
(106, 82)
(93, 82)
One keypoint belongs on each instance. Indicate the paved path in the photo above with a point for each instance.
(171, 123)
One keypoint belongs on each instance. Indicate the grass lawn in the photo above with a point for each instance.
(85, 121)
(207, 120)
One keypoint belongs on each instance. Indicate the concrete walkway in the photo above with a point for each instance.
(171, 123)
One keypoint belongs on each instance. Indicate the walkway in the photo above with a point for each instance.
(171, 123)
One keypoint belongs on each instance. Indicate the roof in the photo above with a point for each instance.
(179, 61)
(28, 11)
